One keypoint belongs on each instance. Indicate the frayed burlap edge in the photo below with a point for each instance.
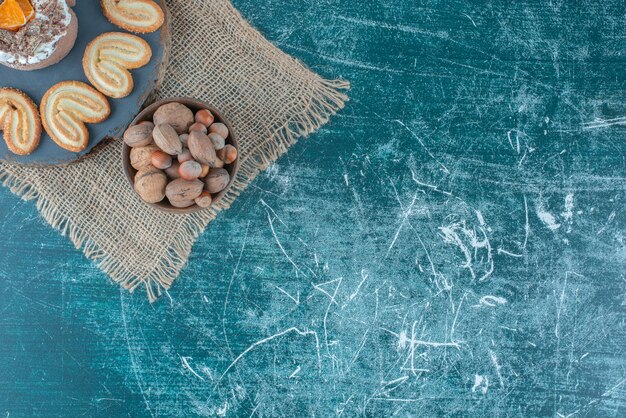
(326, 102)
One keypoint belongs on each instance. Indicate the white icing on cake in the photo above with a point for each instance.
(46, 49)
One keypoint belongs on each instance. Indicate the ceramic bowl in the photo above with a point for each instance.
(194, 105)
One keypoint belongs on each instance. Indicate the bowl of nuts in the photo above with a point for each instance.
(180, 155)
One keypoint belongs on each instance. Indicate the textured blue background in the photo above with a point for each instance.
(450, 244)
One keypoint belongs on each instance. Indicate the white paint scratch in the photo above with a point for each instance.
(330, 303)
(282, 249)
(221, 412)
(185, 362)
(450, 235)
(548, 219)
(490, 300)
(364, 276)
(405, 216)
(429, 186)
(265, 340)
(230, 285)
(428, 151)
(527, 225)
(393, 384)
(295, 372)
(296, 300)
(568, 213)
(470, 18)
(481, 383)
(496, 365)
(510, 254)
(605, 123)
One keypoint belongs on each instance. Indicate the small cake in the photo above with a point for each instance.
(44, 38)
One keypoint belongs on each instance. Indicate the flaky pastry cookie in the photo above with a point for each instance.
(19, 121)
(108, 58)
(139, 16)
(66, 107)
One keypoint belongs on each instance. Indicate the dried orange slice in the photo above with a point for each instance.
(27, 8)
(12, 16)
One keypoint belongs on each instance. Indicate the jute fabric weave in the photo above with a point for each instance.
(271, 100)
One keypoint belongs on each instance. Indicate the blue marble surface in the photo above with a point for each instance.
(451, 244)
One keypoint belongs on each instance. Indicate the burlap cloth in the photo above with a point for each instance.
(216, 56)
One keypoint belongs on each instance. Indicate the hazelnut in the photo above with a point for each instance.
(185, 156)
(205, 117)
(190, 170)
(198, 127)
(228, 154)
(219, 163)
(217, 140)
(220, 129)
(204, 200)
(161, 160)
(172, 172)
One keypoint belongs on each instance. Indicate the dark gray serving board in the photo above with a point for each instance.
(91, 23)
